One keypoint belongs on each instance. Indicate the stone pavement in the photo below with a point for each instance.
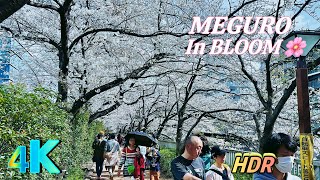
(90, 169)
(105, 175)
(91, 174)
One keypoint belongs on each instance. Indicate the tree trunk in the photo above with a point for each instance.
(178, 137)
(64, 54)
(267, 132)
(161, 127)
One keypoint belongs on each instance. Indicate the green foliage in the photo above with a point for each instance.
(242, 176)
(167, 155)
(75, 173)
(82, 138)
(25, 116)
(34, 115)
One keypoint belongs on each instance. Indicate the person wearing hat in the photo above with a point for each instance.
(219, 170)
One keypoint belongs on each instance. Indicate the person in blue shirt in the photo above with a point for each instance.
(113, 147)
(283, 146)
(206, 156)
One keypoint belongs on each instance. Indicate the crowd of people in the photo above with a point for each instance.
(194, 163)
(132, 160)
(198, 161)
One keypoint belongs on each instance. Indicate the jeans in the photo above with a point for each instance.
(99, 167)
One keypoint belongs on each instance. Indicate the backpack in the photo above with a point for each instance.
(98, 146)
(220, 173)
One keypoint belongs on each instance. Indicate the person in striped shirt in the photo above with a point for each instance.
(128, 155)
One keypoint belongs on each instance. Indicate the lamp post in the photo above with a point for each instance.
(306, 140)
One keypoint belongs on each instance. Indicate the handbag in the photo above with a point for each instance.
(108, 155)
(131, 169)
(95, 146)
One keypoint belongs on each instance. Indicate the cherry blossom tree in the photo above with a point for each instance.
(124, 61)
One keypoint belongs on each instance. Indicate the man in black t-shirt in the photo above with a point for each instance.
(189, 166)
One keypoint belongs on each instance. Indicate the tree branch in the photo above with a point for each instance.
(44, 6)
(287, 93)
(149, 111)
(182, 109)
(59, 4)
(126, 32)
(196, 123)
(140, 97)
(312, 65)
(258, 125)
(165, 120)
(104, 112)
(227, 109)
(37, 39)
(7, 8)
(231, 137)
(254, 82)
(208, 114)
(67, 4)
(135, 74)
(217, 90)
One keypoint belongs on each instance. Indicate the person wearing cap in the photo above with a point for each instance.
(284, 147)
(219, 170)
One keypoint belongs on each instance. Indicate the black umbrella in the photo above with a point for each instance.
(142, 138)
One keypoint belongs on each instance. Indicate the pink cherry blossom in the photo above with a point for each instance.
(295, 47)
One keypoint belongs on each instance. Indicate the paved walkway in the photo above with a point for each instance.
(90, 167)
(105, 175)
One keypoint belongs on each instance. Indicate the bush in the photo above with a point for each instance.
(75, 173)
(25, 116)
(34, 115)
(242, 176)
(82, 137)
(167, 155)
